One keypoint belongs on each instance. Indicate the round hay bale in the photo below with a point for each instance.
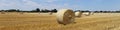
(78, 14)
(65, 16)
(50, 13)
(92, 13)
(2, 12)
(87, 13)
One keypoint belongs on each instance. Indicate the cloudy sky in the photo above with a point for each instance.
(61, 4)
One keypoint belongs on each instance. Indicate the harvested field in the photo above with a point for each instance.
(44, 21)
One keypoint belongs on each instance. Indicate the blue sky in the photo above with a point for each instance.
(61, 4)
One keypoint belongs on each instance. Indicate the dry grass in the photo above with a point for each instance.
(44, 21)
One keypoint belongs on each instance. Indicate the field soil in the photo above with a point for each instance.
(44, 21)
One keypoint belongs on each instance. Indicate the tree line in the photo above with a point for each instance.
(55, 10)
(36, 10)
(100, 11)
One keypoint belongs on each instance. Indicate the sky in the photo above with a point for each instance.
(92, 5)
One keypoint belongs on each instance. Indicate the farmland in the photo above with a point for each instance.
(44, 21)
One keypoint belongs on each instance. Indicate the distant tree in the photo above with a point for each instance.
(54, 10)
(101, 11)
(11, 10)
(37, 10)
(42, 10)
(18, 10)
(96, 11)
(45, 10)
(33, 11)
(117, 11)
(2, 10)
